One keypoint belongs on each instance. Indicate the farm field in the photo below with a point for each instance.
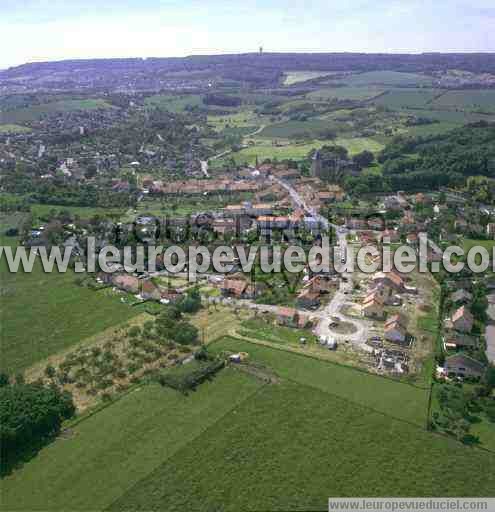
(265, 149)
(289, 129)
(430, 129)
(173, 103)
(402, 98)
(237, 120)
(358, 144)
(13, 128)
(294, 77)
(402, 401)
(475, 100)
(346, 93)
(84, 212)
(45, 313)
(290, 446)
(388, 78)
(36, 111)
(450, 116)
(109, 452)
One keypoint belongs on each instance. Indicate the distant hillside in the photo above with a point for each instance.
(262, 69)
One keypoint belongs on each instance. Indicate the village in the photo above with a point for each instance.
(379, 317)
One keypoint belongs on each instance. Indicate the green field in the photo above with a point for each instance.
(290, 447)
(111, 451)
(294, 77)
(469, 243)
(36, 111)
(289, 129)
(84, 212)
(402, 401)
(266, 150)
(13, 128)
(346, 93)
(388, 78)
(318, 430)
(358, 144)
(174, 103)
(477, 100)
(45, 313)
(449, 116)
(402, 98)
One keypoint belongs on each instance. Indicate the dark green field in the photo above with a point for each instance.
(400, 400)
(112, 450)
(36, 111)
(290, 447)
(42, 313)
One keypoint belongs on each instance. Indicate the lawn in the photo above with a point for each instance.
(266, 331)
(400, 400)
(469, 243)
(43, 314)
(290, 447)
(106, 454)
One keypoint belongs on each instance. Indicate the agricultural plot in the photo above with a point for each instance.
(472, 100)
(84, 212)
(45, 313)
(387, 78)
(174, 103)
(359, 144)
(289, 447)
(346, 93)
(36, 111)
(402, 401)
(448, 116)
(294, 77)
(268, 150)
(13, 128)
(107, 453)
(403, 98)
(285, 130)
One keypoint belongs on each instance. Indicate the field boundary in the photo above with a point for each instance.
(315, 357)
(206, 429)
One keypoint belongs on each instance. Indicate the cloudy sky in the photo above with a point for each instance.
(38, 30)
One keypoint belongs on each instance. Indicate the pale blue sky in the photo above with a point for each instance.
(37, 30)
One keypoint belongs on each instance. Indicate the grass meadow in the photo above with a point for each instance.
(36, 111)
(109, 452)
(291, 446)
(396, 399)
(42, 313)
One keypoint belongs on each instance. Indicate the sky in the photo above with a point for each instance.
(41, 30)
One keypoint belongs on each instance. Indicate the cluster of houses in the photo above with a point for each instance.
(458, 339)
(385, 289)
(145, 288)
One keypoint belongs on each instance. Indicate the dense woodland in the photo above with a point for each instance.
(427, 163)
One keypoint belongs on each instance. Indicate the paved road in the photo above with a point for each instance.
(339, 300)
